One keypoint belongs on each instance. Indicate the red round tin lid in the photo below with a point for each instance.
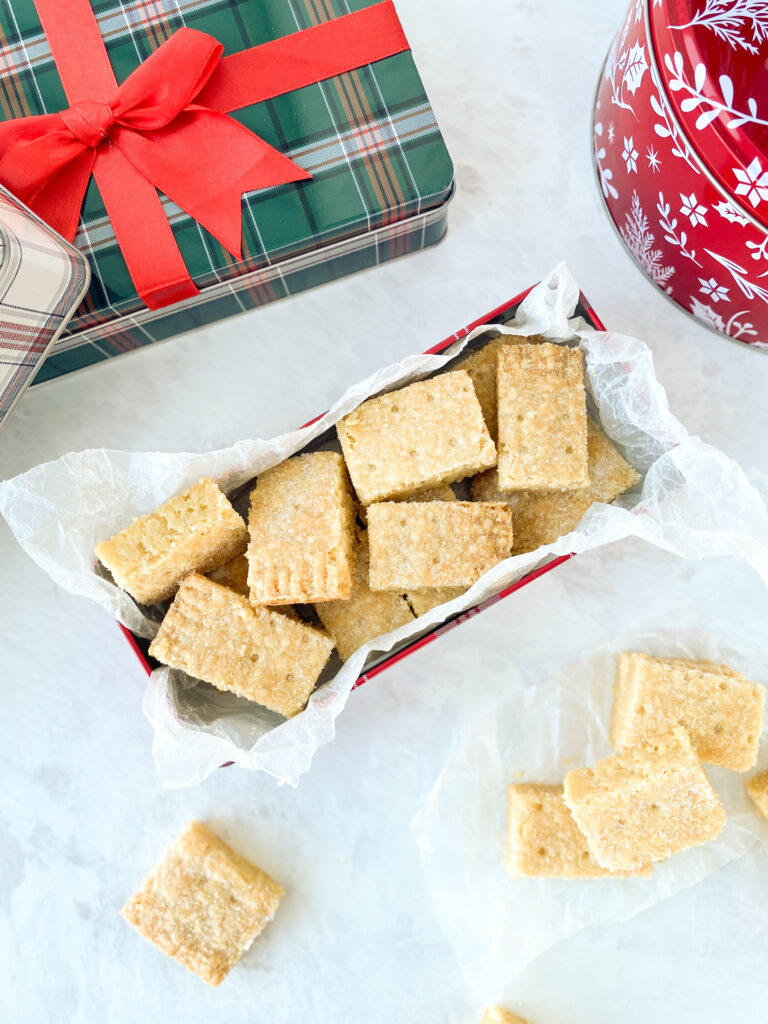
(712, 58)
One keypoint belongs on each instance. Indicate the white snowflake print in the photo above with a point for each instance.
(716, 292)
(630, 155)
(611, 132)
(639, 240)
(653, 159)
(707, 314)
(753, 183)
(730, 213)
(693, 209)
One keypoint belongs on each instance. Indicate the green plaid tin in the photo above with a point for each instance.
(381, 175)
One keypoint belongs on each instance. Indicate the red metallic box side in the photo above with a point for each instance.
(469, 613)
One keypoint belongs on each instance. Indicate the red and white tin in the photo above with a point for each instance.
(681, 153)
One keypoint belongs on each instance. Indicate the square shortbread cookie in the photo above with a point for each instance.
(203, 904)
(426, 434)
(540, 517)
(543, 840)
(644, 805)
(542, 414)
(366, 614)
(193, 532)
(234, 574)
(302, 531)
(422, 601)
(435, 544)
(214, 634)
(721, 711)
(496, 1015)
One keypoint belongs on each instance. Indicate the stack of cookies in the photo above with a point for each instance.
(344, 546)
(653, 798)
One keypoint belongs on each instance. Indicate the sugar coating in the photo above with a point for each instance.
(366, 614)
(193, 532)
(214, 634)
(234, 574)
(302, 531)
(542, 414)
(435, 544)
(644, 804)
(757, 787)
(481, 367)
(422, 601)
(426, 434)
(540, 517)
(721, 711)
(203, 904)
(543, 840)
(496, 1015)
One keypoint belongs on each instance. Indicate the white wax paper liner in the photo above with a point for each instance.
(538, 730)
(694, 501)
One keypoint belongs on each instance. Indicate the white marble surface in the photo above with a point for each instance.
(82, 814)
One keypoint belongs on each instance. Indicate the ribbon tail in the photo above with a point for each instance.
(59, 201)
(228, 161)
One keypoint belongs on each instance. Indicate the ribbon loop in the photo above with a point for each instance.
(89, 121)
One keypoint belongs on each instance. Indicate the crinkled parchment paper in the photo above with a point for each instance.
(540, 729)
(694, 501)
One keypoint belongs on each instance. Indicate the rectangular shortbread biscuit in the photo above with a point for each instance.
(214, 634)
(540, 517)
(542, 418)
(365, 614)
(644, 805)
(193, 532)
(422, 601)
(426, 434)
(543, 840)
(302, 531)
(481, 367)
(757, 787)
(721, 711)
(435, 544)
(496, 1015)
(203, 904)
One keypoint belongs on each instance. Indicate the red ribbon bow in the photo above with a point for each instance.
(165, 128)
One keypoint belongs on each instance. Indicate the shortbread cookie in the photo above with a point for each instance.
(422, 601)
(424, 435)
(234, 574)
(435, 544)
(203, 904)
(540, 517)
(757, 787)
(302, 532)
(366, 614)
(193, 532)
(214, 634)
(495, 1015)
(543, 840)
(481, 367)
(542, 418)
(721, 711)
(644, 805)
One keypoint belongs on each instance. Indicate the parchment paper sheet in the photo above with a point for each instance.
(694, 501)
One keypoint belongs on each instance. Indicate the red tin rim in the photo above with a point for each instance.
(711, 175)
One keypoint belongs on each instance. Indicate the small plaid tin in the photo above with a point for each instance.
(42, 281)
(381, 175)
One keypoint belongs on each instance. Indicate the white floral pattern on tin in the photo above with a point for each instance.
(640, 240)
(630, 155)
(666, 128)
(636, 66)
(693, 209)
(716, 292)
(731, 213)
(728, 18)
(672, 235)
(711, 107)
(652, 156)
(611, 132)
(707, 314)
(739, 275)
(752, 182)
(605, 174)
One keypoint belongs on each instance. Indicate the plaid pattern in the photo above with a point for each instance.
(42, 278)
(368, 137)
